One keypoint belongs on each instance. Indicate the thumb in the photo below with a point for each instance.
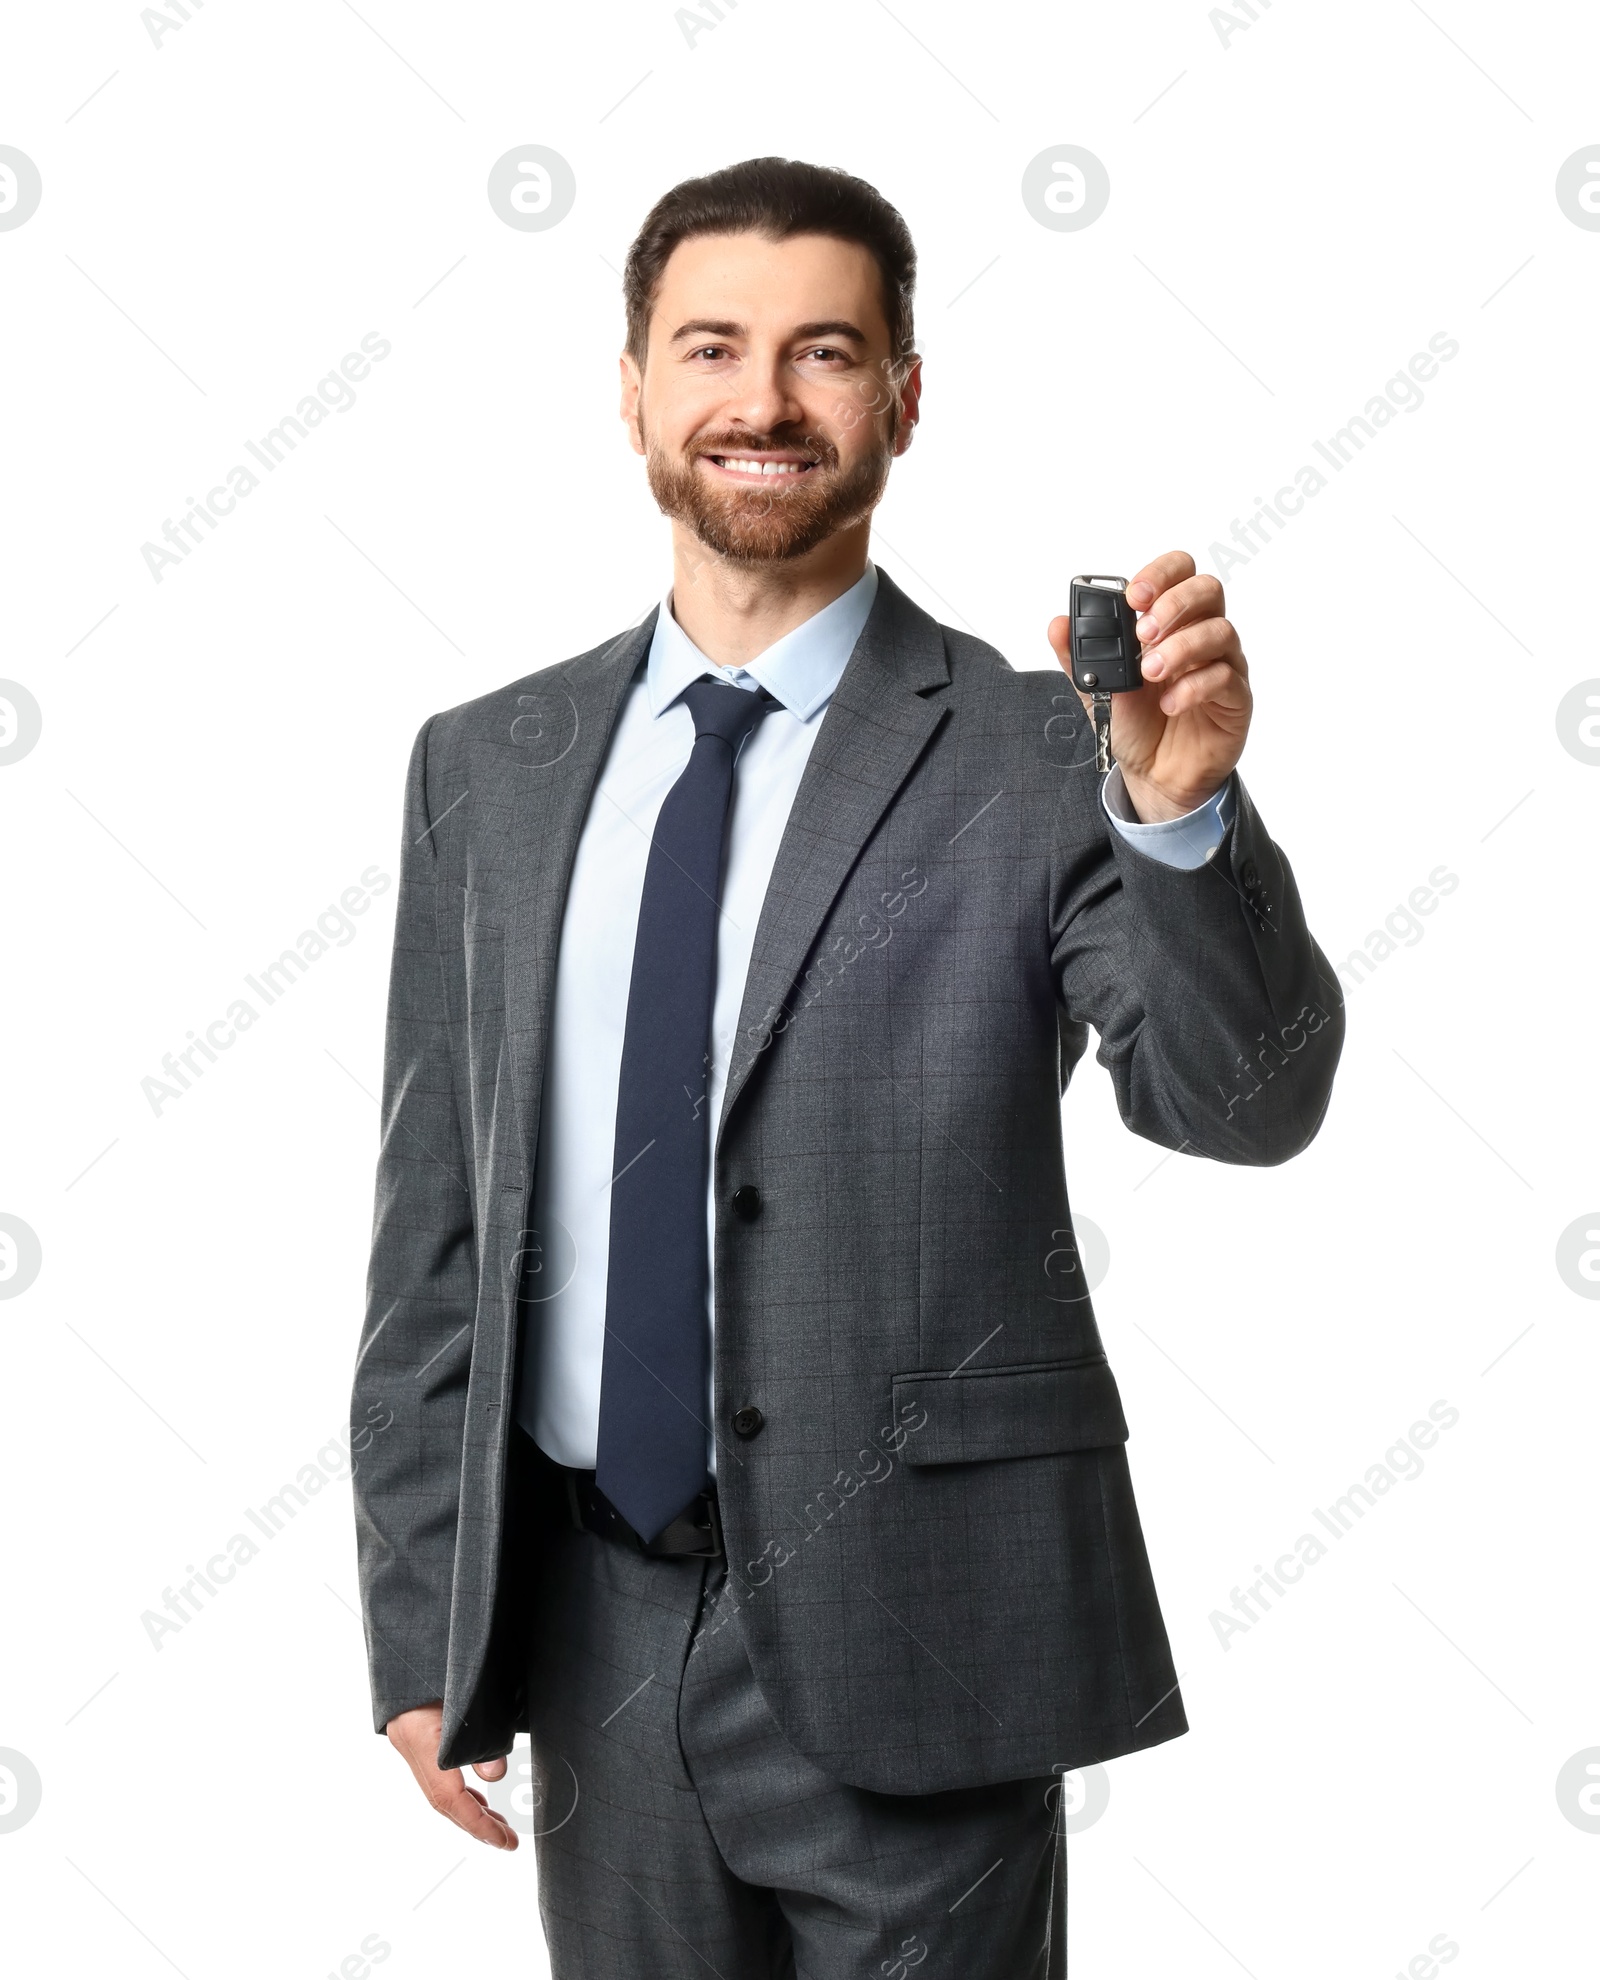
(490, 1770)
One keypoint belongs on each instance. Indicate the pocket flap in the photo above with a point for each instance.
(1022, 1411)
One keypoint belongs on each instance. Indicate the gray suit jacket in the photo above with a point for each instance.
(933, 1537)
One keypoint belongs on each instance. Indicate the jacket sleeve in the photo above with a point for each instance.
(1220, 1019)
(409, 1400)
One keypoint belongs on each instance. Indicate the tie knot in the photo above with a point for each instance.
(721, 709)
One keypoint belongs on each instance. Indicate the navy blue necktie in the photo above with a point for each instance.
(653, 1382)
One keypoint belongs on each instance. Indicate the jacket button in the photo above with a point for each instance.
(1249, 876)
(748, 1421)
(747, 1203)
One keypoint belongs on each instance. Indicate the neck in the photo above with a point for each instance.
(734, 612)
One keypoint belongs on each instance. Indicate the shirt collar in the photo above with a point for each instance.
(801, 670)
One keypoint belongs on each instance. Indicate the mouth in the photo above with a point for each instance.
(772, 470)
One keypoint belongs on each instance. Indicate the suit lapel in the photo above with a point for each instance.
(874, 730)
(545, 804)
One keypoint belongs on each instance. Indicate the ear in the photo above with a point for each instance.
(632, 386)
(910, 407)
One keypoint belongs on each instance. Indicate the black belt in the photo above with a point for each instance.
(696, 1533)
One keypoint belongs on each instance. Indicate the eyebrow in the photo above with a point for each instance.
(704, 326)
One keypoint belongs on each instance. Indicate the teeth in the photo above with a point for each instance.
(761, 467)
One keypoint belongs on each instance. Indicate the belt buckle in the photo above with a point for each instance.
(712, 1551)
(715, 1550)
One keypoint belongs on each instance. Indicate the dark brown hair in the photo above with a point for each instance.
(776, 197)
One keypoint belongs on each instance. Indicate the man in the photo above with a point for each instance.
(754, 1444)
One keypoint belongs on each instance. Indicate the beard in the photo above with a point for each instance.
(771, 522)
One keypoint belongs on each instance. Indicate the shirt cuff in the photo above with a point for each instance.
(1185, 842)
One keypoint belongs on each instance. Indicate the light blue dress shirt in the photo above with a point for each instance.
(648, 751)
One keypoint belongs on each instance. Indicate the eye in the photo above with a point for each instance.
(707, 347)
(824, 350)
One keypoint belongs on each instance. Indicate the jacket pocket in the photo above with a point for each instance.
(1029, 1410)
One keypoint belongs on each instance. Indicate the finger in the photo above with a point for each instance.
(1217, 687)
(468, 1812)
(1183, 604)
(503, 1827)
(1059, 634)
(448, 1793)
(1195, 646)
(490, 1770)
(1145, 586)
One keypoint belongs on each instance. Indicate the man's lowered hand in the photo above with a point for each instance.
(415, 1735)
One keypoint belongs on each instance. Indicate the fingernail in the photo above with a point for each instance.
(1145, 626)
(1140, 593)
(1153, 666)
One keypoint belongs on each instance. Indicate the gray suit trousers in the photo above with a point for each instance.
(680, 1834)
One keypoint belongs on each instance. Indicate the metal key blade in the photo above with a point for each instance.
(1101, 704)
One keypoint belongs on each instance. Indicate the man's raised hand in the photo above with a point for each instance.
(1178, 737)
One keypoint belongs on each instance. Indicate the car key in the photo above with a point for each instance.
(1105, 651)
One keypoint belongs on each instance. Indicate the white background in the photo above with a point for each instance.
(1310, 200)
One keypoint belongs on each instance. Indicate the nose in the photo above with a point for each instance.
(763, 396)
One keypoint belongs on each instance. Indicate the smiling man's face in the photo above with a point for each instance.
(766, 413)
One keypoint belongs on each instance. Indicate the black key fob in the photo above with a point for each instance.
(1105, 647)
